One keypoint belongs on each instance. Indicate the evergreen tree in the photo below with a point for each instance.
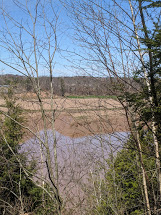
(122, 189)
(17, 192)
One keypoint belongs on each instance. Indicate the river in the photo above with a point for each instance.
(78, 159)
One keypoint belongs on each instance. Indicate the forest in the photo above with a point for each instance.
(88, 143)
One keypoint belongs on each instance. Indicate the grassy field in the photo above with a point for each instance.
(92, 97)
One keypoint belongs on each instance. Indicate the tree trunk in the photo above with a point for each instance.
(151, 99)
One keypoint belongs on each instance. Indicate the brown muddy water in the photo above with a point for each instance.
(79, 161)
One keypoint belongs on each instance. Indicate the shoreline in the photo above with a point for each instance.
(67, 125)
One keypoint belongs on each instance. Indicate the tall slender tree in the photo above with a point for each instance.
(119, 39)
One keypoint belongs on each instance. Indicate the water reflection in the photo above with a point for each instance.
(85, 150)
(77, 158)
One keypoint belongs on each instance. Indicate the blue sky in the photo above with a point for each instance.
(64, 32)
(71, 58)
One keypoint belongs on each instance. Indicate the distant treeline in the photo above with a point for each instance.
(77, 85)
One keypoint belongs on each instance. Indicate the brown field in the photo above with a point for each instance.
(74, 117)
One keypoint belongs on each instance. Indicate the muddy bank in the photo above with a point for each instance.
(73, 117)
(72, 126)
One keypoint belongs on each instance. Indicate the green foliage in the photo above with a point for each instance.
(92, 97)
(122, 188)
(146, 104)
(14, 184)
(153, 4)
(126, 179)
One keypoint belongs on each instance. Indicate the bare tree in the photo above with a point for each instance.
(112, 45)
(110, 40)
(31, 44)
